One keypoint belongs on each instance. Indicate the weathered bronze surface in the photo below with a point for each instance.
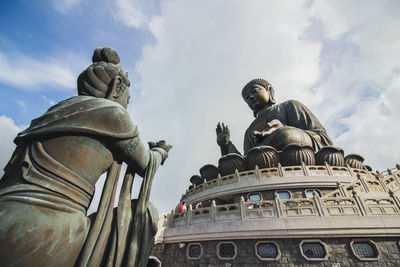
(49, 181)
(276, 125)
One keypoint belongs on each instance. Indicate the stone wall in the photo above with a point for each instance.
(339, 254)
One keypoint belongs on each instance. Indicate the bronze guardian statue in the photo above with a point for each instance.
(49, 181)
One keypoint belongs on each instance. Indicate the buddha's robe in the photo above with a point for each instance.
(43, 203)
(297, 120)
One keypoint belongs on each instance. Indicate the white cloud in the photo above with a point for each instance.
(361, 74)
(49, 101)
(131, 13)
(192, 77)
(27, 73)
(205, 52)
(64, 5)
(373, 129)
(8, 131)
(21, 104)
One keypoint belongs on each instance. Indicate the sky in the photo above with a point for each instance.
(189, 60)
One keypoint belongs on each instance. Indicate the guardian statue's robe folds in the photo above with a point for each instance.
(43, 202)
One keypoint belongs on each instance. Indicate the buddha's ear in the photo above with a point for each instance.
(115, 88)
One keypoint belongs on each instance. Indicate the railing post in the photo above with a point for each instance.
(304, 167)
(257, 173)
(189, 215)
(280, 170)
(204, 184)
(218, 179)
(359, 203)
(349, 170)
(242, 208)
(171, 220)
(363, 184)
(213, 210)
(237, 176)
(396, 179)
(328, 168)
(381, 182)
(318, 204)
(279, 208)
(341, 190)
(395, 199)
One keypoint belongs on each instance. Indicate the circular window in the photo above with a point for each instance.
(313, 250)
(226, 250)
(267, 250)
(194, 251)
(364, 250)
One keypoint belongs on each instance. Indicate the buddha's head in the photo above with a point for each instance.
(258, 93)
(105, 78)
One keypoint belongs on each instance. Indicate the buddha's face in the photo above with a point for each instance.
(257, 97)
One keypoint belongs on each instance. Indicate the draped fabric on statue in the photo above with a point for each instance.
(36, 186)
(83, 115)
(122, 236)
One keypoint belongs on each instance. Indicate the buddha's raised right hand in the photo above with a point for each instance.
(223, 134)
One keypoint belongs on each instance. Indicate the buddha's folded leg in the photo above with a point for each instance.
(288, 135)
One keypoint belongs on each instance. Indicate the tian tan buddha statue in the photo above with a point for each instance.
(276, 125)
(49, 181)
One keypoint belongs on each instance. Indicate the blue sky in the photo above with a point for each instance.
(51, 31)
(188, 60)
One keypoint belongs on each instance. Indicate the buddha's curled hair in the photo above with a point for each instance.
(95, 80)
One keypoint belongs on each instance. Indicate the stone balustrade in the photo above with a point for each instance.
(278, 172)
(369, 182)
(284, 208)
